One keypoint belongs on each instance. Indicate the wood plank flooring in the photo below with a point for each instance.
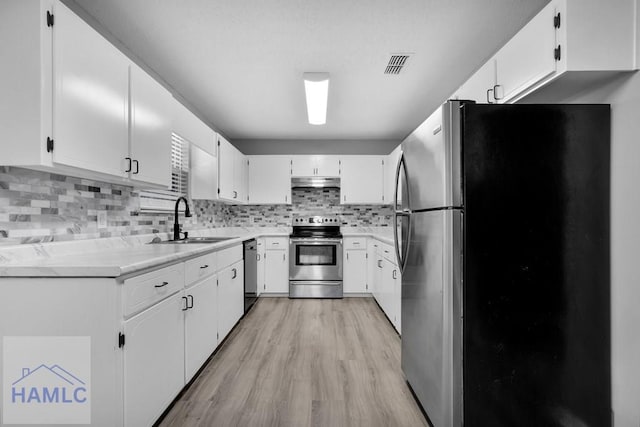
(303, 363)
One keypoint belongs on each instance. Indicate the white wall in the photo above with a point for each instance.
(623, 93)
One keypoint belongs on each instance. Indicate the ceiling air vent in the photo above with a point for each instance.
(396, 63)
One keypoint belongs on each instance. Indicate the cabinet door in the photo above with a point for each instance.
(230, 298)
(151, 106)
(201, 325)
(269, 180)
(203, 174)
(371, 265)
(327, 165)
(479, 87)
(226, 164)
(260, 265)
(390, 164)
(276, 271)
(362, 179)
(355, 271)
(191, 128)
(303, 166)
(240, 178)
(153, 360)
(91, 97)
(528, 57)
(397, 298)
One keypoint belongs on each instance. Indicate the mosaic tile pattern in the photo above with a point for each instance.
(307, 201)
(43, 207)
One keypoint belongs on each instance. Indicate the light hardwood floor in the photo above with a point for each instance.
(303, 363)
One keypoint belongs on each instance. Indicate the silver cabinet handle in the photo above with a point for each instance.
(394, 274)
(257, 257)
(495, 92)
(347, 255)
(235, 273)
(489, 100)
(356, 243)
(204, 266)
(235, 194)
(186, 304)
(162, 285)
(284, 257)
(345, 198)
(189, 305)
(379, 263)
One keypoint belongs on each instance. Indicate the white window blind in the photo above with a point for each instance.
(164, 200)
(179, 165)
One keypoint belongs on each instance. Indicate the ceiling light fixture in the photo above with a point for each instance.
(316, 87)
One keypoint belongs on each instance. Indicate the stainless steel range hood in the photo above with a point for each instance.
(315, 182)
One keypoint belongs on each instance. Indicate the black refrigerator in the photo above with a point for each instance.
(502, 220)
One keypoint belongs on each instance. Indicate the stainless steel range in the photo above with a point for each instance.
(315, 253)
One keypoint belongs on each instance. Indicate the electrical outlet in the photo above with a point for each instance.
(102, 219)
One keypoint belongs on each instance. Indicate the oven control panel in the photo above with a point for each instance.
(316, 220)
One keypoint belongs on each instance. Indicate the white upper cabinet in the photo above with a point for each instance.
(566, 36)
(232, 173)
(240, 177)
(390, 165)
(226, 163)
(90, 101)
(192, 129)
(480, 85)
(150, 147)
(315, 165)
(362, 180)
(203, 174)
(528, 57)
(269, 180)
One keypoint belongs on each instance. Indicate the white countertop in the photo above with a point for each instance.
(115, 257)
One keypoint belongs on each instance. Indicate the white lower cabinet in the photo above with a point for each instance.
(200, 324)
(355, 271)
(153, 360)
(276, 271)
(230, 298)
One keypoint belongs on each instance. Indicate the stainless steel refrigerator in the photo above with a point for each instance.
(502, 216)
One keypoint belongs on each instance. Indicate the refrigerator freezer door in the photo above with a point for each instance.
(431, 314)
(432, 159)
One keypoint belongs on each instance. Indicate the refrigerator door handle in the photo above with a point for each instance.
(401, 253)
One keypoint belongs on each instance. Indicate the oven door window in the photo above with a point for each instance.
(315, 254)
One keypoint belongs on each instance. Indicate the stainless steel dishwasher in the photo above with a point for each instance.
(250, 273)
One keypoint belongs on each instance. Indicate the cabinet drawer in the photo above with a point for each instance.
(145, 290)
(229, 256)
(277, 242)
(200, 267)
(355, 243)
(388, 252)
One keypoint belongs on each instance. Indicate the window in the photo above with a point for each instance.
(179, 165)
(164, 200)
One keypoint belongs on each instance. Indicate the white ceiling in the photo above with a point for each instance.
(239, 63)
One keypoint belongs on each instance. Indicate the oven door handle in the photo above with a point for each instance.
(315, 241)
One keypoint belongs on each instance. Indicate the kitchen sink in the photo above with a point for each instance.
(201, 240)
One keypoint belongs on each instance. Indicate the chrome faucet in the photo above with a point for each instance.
(177, 229)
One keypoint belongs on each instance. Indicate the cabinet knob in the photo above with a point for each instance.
(235, 273)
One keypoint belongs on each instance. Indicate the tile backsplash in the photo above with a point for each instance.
(39, 206)
(307, 201)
